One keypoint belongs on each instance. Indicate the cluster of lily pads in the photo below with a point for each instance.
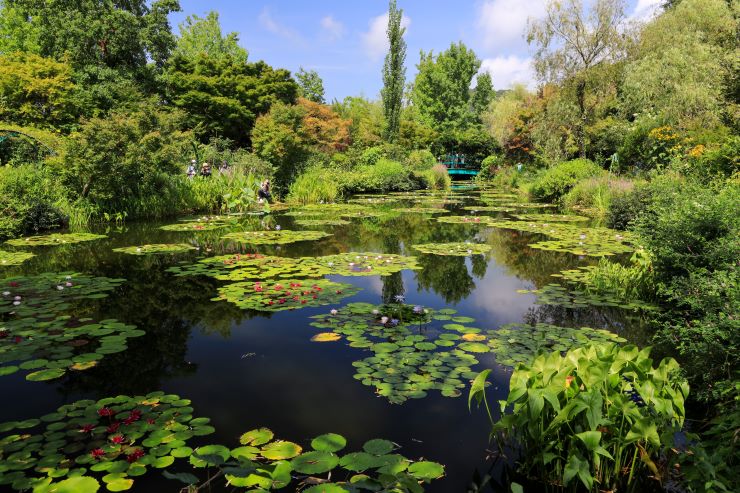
(54, 239)
(156, 249)
(36, 335)
(411, 354)
(553, 218)
(570, 296)
(597, 242)
(310, 223)
(263, 463)
(488, 208)
(117, 439)
(241, 267)
(285, 294)
(520, 343)
(458, 249)
(275, 237)
(421, 210)
(13, 258)
(484, 220)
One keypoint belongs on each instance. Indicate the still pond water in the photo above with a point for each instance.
(246, 369)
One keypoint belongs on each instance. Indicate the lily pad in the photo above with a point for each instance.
(460, 249)
(13, 258)
(273, 237)
(156, 249)
(55, 239)
(330, 442)
(285, 295)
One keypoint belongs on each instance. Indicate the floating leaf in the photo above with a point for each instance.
(13, 258)
(256, 437)
(156, 249)
(280, 450)
(285, 295)
(316, 462)
(330, 442)
(275, 237)
(463, 249)
(326, 337)
(426, 470)
(54, 239)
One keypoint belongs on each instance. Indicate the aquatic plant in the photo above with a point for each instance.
(553, 218)
(275, 237)
(488, 208)
(600, 417)
(483, 220)
(54, 239)
(520, 343)
(411, 355)
(264, 463)
(156, 249)
(284, 295)
(459, 249)
(574, 297)
(528, 205)
(308, 223)
(14, 258)
(421, 210)
(118, 438)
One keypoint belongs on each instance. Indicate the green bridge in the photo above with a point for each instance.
(459, 165)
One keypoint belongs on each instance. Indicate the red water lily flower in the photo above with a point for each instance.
(270, 302)
(135, 455)
(17, 339)
(105, 411)
(150, 421)
(13, 284)
(278, 287)
(3, 334)
(339, 291)
(87, 428)
(303, 302)
(97, 453)
(118, 439)
(113, 427)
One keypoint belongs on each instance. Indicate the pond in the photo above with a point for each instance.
(366, 319)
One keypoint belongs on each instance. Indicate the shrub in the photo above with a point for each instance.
(384, 176)
(490, 166)
(558, 180)
(625, 208)
(600, 415)
(420, 160)
(30, 201)
(594, 195)
(439, 178)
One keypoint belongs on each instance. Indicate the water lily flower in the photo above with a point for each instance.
(583, 237)
(60, 288)
(399, 298)
(68, 284)
(113, 427)
(383, 320)
(418, 309)
(151, 421)
(394, 322)
(330, 264)
(97, 453)
(375, 312)
(6, 293)
(68, 278)
(277, 228)
(16, 303)
(17, 298)
(104, 411)
(351, 264)
(339, 291)
(333, 311)
(134, 456)
(13, 284)
(87, 428)
(118, 439)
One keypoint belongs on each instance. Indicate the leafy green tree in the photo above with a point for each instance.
(482, 95)
(394, 74)
(570, 42)
(223, 96)
(89, 32)
(36, 91)
(202, 35)
(441, 91)
(310, 85)
(683, 71)
(278, 138)
(366, 119)
(16, 33)
(124, 155)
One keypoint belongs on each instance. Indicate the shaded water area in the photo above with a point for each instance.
(246, 369)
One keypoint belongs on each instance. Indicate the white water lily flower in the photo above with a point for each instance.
(60, 288)
(68, 284)
(330, 264)
(583, 237)
(68, 278)
(17, 298)
(16, 303)
(333, 311)
(6, 293)
(383, 320)
(351, 264)
(375, 312)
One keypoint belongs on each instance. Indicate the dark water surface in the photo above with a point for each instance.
(247, 369)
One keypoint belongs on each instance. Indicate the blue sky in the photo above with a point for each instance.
(344, 40)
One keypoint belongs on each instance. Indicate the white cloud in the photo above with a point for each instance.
(266, 20)
(645, 10)
(375, 40)
(508, 70)
(503, 23)
(332, 29)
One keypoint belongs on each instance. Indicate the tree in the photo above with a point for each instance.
(200, 35)
(90, 32)
(310, 85)
(394, 74)
(569, 43)
(483, 94)
(366, 119)
(441, 91)
(16, 33)
(508, 121)
(323, 129)
(36, 91)
(223, 96)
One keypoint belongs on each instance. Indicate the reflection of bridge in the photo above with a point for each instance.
(459, 165)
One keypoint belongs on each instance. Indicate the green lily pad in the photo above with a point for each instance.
(330, 442)
(378, 447)
(256, 437)
(315, 462)
(462, 249)
(426, 470)
(273, 237)
(14, 258)
(156, 249)
(280, 450)
(285, 295)
(54, 239)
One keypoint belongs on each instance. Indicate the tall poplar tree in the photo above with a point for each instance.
(394, 73)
